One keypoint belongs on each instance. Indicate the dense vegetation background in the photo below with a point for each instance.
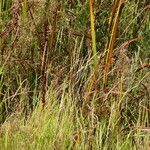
(74, 74)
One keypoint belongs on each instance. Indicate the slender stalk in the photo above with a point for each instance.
(44, 48)
(93, 34)
(114, 24)
(24, 9)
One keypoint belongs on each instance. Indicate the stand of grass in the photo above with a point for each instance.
(78, 112)
(60, 126)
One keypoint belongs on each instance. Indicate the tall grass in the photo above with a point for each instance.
(60, 126)
(59, 90)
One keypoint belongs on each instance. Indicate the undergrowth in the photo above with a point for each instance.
(74, 75)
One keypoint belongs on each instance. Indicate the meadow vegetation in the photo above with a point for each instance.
(74, 74)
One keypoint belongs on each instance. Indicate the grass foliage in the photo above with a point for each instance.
(74, 75)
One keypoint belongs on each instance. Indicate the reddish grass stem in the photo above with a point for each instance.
(114, 25)
(44, 63)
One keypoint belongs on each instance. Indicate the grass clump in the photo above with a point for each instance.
(74, 75)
